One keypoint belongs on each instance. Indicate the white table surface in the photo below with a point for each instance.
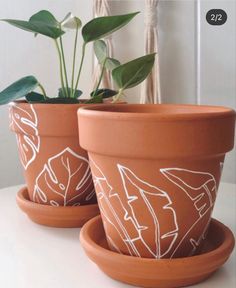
(34, 256)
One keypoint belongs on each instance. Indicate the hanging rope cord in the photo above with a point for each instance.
(150, 88)
(102, 8)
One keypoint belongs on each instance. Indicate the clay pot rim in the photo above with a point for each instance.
(198, 112)
(86, 240)
(48, 105)
(178, 133)
(58, 105)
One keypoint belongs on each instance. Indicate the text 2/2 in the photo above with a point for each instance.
(216, 17)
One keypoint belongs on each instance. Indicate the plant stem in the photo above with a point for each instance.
(116, 98)
(61, 74)
(80, 67)
(73, 67)
(43, 90)
(64, 66)
(100, 78)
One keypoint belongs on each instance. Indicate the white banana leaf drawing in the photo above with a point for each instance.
(28, 139)
(132, 227)
(112, 223)
(195, 243)
(201, 189)
(66, 175)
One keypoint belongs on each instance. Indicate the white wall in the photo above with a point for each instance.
(218, 67)
(21, 55)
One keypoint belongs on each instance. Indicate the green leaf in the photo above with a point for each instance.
(111, 63)
(78, 93)
(18, 89)
(102, 26)
(134, 72)
(34, 97)
(61, 93)
(55, 100)
(100, 50)
(45, 17)
(95, 99)
(37, 27)
(105, 93)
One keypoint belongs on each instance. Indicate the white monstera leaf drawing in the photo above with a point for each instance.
(201, 189)
(131, 229)
(28, 140)
(65, 180)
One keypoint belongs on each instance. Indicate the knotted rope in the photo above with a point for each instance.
(101, 8)
(150, 88)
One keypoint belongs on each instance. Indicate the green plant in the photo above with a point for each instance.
(125, 75)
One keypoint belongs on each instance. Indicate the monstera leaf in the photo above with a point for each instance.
(121, 214)
(65, 180)
(26, 123)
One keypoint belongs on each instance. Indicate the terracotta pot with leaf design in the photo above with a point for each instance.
(156, 170)
(56, 168)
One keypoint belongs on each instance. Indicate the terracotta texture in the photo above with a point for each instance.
(62, 216)
(56, 168)
(163, 273)
(156, 170)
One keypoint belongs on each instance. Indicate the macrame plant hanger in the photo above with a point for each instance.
(150, 88)
(102, 8)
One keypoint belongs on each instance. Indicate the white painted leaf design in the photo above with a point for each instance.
(201, 189)
(131, 230)
(111, 221)
(28, 139)
(65, 180)
(157, 204)
(195, 243)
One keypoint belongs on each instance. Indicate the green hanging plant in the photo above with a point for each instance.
(125, 75)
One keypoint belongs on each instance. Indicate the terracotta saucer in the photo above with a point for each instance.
(163, 273)
(61, 217)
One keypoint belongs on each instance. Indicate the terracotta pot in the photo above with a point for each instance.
(56, 168)
(156, 170)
